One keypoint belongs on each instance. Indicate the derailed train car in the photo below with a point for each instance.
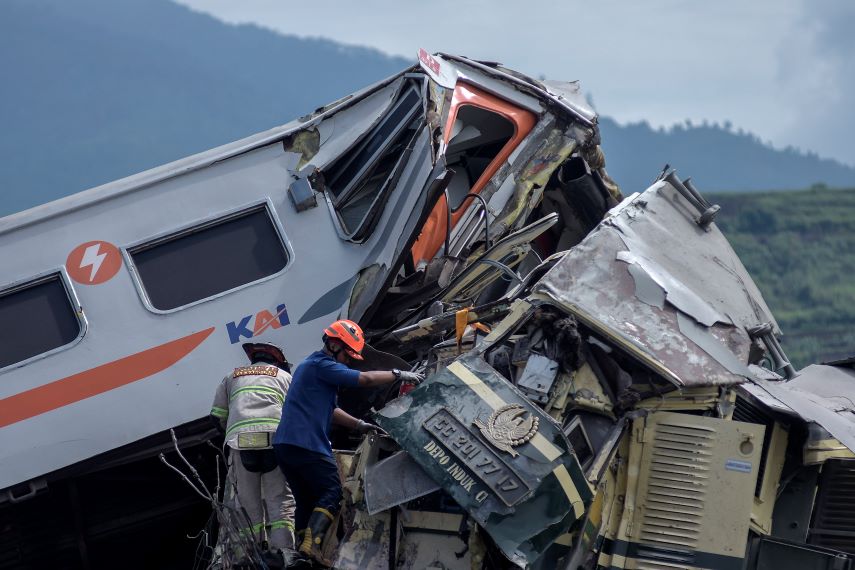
(632, 409)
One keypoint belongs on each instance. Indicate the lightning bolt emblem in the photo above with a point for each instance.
(92, 257)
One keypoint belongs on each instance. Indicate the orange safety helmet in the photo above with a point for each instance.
(350, 335)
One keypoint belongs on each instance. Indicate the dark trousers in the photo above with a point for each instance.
(313, 478)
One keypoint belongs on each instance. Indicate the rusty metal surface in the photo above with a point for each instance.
(666, 290)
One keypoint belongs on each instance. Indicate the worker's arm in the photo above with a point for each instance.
(382, 377)
(220, 407)
(375, 378)
(340, 375)
(345, 420)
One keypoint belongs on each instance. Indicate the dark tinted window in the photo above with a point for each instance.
(579, 440)
(202, 262)
(359, 203)
(359, 181)
(36, 318)
(348, 170)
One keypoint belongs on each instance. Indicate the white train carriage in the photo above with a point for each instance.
(122, 306)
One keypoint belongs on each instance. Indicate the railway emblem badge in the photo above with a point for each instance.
(93, 262)
(508, 427)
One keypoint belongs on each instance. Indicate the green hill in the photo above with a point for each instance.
(800, 249)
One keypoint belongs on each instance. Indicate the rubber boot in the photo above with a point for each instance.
(294, 558)
(274, 559)
(313, 540)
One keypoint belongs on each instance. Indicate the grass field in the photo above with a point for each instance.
(800, 249)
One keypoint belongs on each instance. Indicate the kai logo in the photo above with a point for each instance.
(261, 321)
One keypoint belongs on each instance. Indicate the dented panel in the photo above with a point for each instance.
(469, 391)
(683, 308)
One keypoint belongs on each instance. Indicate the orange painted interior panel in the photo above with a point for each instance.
(433, 232)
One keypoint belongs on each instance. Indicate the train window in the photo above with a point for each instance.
(358, 181)
(204, 261)
(38, 317)
(477, 138)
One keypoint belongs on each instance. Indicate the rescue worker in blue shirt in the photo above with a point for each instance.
(302, 443)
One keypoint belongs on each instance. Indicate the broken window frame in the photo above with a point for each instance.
(573, 424)
(200, 225)
(523, 121)
(335, 171)
(74, 306)
(476, 116)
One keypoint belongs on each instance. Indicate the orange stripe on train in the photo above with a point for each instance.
(97, 380)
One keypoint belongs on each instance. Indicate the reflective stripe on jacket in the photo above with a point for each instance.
(249, 400)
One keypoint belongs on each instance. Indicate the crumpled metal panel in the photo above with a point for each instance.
(366, 546)
(570, 93)
(821, 394)
(393, 481)
(668, 291)
(524, 500)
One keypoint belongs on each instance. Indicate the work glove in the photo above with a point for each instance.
(364, 427)
(408, 377)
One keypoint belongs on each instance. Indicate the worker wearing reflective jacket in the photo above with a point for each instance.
(302, 442)
(248, 406)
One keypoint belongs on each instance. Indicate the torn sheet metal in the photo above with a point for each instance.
(683, 309)
(366, 545)
(509, 251)
(836, 383)
(570, 93)
(394, 481)
(552, 151)
(703, 337)
(438, 69)
(524, 493)
(537, 377)
(821, 394)
(675, 292)
(561, 97)
(702, 275)
(472, 75)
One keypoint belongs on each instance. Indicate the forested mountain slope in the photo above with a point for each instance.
(800, 249)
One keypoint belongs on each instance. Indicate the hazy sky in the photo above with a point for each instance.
(783, 69)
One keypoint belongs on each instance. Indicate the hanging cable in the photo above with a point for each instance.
(507, 270)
